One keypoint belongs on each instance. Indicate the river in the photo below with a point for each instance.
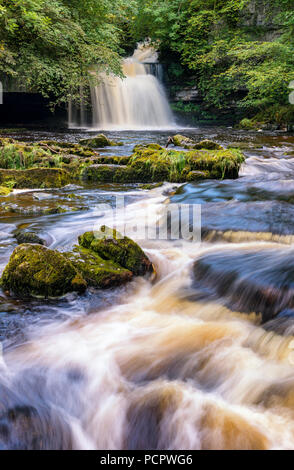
(201, 357)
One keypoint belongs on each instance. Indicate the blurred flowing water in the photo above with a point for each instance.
(200, 357)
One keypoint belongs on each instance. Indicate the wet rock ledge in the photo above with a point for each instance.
(49, 164)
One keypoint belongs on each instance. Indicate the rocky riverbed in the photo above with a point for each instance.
(190, 347)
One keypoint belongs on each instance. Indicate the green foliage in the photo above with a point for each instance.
(49, 45)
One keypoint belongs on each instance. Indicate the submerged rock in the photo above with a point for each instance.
(260, 281)
(28, 237)
(98, 272)
(36, 271)
(99, 141)
(111, 245)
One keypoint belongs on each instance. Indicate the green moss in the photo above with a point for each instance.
(99, 173)
(66, 148)
(126, 174)
(197, 175)
(219, 163)
(150, 186)
(35, 178)
(4, 191)
(174, 166)
(207, 145)
(73, 196)
(182, 141)
(189, 144)
(99, 141)
(271, 118)
(96, 271)
(36, 271)
(56, 210)
(111, 245)
(248, 124)
(13, 130)
(111, 174)
(20, 155)
(112, 160)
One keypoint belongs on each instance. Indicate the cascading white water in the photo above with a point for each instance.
(134, 102)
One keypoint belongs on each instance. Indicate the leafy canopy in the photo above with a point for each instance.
(49, 45)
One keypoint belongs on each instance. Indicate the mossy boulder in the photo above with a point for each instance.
(181, 140)
(207, 145)
(100, 173)
(99, 141)
(111, 174)
(35, 178)
(98, 272)
(218, 164)
(155, 165)
(36, 271)
(248, 124)
(190, 144)
(66, 148)
(28, 237)
(112, 160)
(111, 245)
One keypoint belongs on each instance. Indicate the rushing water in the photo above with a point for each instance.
(200, 357)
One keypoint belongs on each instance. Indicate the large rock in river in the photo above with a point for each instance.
(98, 272)
(99, 141)
(36, 271)
(111, 245)
(104, 261)
(249, 279)
(188, 143)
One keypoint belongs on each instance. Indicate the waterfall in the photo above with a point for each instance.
(77, 115)
(137, 101)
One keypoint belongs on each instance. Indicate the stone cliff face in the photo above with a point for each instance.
(256, 14)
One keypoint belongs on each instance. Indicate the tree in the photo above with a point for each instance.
(49, 45)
